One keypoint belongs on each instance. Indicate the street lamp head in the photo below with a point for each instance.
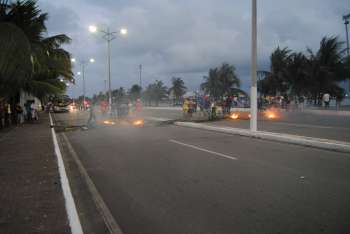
(92, 60)
(123, 31)
(79, 73)
(73, 60)
(92, 28)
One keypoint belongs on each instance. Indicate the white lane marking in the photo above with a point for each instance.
(204, 150)
(73, 217)
(101, 206)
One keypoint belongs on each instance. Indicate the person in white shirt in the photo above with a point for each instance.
(326, 99)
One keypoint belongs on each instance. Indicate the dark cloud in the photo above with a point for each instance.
(186, 38)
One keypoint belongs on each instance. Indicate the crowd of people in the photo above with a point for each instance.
(210, 107)
(119, 110)
(11, 115)
(297, 102)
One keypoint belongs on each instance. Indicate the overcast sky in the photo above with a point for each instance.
(184, 38)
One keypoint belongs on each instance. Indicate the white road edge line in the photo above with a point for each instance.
(204, 150)
(102, 208)
(73, 217)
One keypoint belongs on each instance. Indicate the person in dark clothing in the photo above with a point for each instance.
(19, 113)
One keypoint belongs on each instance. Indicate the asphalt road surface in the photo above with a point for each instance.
(169, 179)
(296, 123)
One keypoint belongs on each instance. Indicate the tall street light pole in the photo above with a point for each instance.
(140, 75)
(253, 89)
(83, 64)
(346, 22)
(108, 36)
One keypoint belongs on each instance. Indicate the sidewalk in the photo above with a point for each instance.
(31, 198)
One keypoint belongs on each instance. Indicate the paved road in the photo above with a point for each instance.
(297, 123)
(168, 179)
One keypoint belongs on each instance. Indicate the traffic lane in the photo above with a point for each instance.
(159, 113)
(72, 118)
(318, 131)
(155, 186)
(297, 117)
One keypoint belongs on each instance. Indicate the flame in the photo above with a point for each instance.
(109, 122)
(138, 122)
(234, 116)
(271, 116)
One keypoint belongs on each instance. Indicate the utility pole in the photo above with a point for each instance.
(140, 67)
(346, 22)
(83, 68)
(253, 89)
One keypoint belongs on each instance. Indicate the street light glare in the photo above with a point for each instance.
(92, 60)
(123, 31)
(92, 28)
(79, 73)
(73, 60)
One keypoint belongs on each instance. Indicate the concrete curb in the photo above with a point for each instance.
(284, 138)
(328, 112)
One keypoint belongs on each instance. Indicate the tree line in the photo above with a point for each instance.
(221, 81)
(309, 73)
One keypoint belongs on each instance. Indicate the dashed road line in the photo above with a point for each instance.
(204, 150)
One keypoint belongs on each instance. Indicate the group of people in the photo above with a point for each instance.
(16, 114)
(119, 110)
(296, 102)
(207, 106)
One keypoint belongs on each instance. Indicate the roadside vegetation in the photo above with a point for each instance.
(30, 61)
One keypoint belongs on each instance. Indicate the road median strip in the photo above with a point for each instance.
(325, 144)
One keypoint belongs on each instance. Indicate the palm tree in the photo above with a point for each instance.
(30, 61)
(297, 77)
(327, 67)
(178, 89)
(280, 59)
(135, 92)
(155, 92)
(221, 81)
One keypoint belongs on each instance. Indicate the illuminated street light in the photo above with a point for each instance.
(79, 73)
(73, 60)
(123, 31)
(92, 60)
(108, 36)
(92, 28)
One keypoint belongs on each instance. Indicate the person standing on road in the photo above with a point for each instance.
(326, 99)
(92, 116)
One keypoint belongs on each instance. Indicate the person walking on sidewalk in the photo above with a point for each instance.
(19, 113)
(326, 99)
(2, 115)
(33, 111)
